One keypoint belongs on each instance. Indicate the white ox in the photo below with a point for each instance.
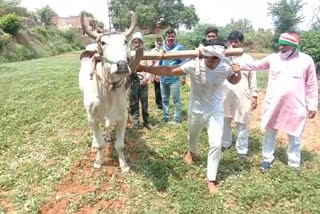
(103, 81)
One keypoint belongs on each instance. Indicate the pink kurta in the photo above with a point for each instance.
(292, 90)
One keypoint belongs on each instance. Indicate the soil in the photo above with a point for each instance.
(74, 187)
(310, 135)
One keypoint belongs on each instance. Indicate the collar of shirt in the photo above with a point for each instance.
(167, 48)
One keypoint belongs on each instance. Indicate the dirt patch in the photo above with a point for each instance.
(310, 135)
(8, 206)
(81, 183)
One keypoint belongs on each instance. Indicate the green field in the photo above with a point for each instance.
(44, 131)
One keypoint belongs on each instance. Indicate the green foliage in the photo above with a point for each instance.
(167, 13)
(72, 38)
(149, 41)
(310, 44)
(10, 23)
(285, 14)
(258, 41)
(4, 39)
(41, 42)
(45, 14)
(192, 40)
(242, 25)
(12, 6)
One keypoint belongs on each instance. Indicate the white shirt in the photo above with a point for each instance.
(207, 87)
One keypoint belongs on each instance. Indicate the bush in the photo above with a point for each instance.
(258, 41)
(310, 44)
(41, 42)
(4, 39)
(10, 23)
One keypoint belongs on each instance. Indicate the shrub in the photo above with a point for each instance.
(258, 41)
(4, 39)
(310, 44)
(10, 23)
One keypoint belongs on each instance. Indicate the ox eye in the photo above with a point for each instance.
(126, 42)
(103, 43)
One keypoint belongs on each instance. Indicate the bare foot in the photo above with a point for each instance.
(213, 188)
(188, 158)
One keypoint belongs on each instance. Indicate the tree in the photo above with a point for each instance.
(309, 44)
(45, 15)
(285, 14)
(242, 25)
(12, 6)
(10, 23)
(167, 13)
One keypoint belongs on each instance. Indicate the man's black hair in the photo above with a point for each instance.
(214, 42)
(212, 30)
(236, 35)
(170, 31)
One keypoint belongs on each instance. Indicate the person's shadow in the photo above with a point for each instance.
(151, 163)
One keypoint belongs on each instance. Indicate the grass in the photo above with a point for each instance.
(44, 131)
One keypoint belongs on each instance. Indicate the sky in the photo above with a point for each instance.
(209, 11)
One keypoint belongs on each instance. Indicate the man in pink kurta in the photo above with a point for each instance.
(291, 97)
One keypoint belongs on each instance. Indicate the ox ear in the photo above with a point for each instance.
(90, 50)
(86, 54)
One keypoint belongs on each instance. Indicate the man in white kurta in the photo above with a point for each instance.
(205, 106)
(238, 100)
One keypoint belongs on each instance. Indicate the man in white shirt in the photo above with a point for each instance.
(239, 100)
(205, 106)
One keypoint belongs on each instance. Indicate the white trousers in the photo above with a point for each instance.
(269, 146)
(242, 139)
(214, 124)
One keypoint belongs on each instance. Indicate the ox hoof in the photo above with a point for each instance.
(125, 169)
(97, 165)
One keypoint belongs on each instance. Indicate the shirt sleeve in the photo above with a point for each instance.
(252, 78)
(188, 67)
(311, 87)
(256, 65)
(226, 66)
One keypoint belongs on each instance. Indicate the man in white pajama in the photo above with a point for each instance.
(205, 106)
(238, 101)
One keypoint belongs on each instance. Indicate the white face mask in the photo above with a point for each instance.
(287, 54)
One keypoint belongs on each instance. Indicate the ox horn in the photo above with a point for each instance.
(85, 27)
(132, 26)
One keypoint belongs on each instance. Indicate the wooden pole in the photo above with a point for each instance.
(185, 54)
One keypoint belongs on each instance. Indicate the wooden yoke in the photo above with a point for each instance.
(185, 54)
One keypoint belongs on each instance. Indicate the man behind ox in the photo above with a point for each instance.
(211, 33)
(291, 97)
(170, 84)
(205, 106)
(238, 101)
(155, 79)
(139, 89)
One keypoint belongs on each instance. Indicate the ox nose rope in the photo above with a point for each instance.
(109, 61)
